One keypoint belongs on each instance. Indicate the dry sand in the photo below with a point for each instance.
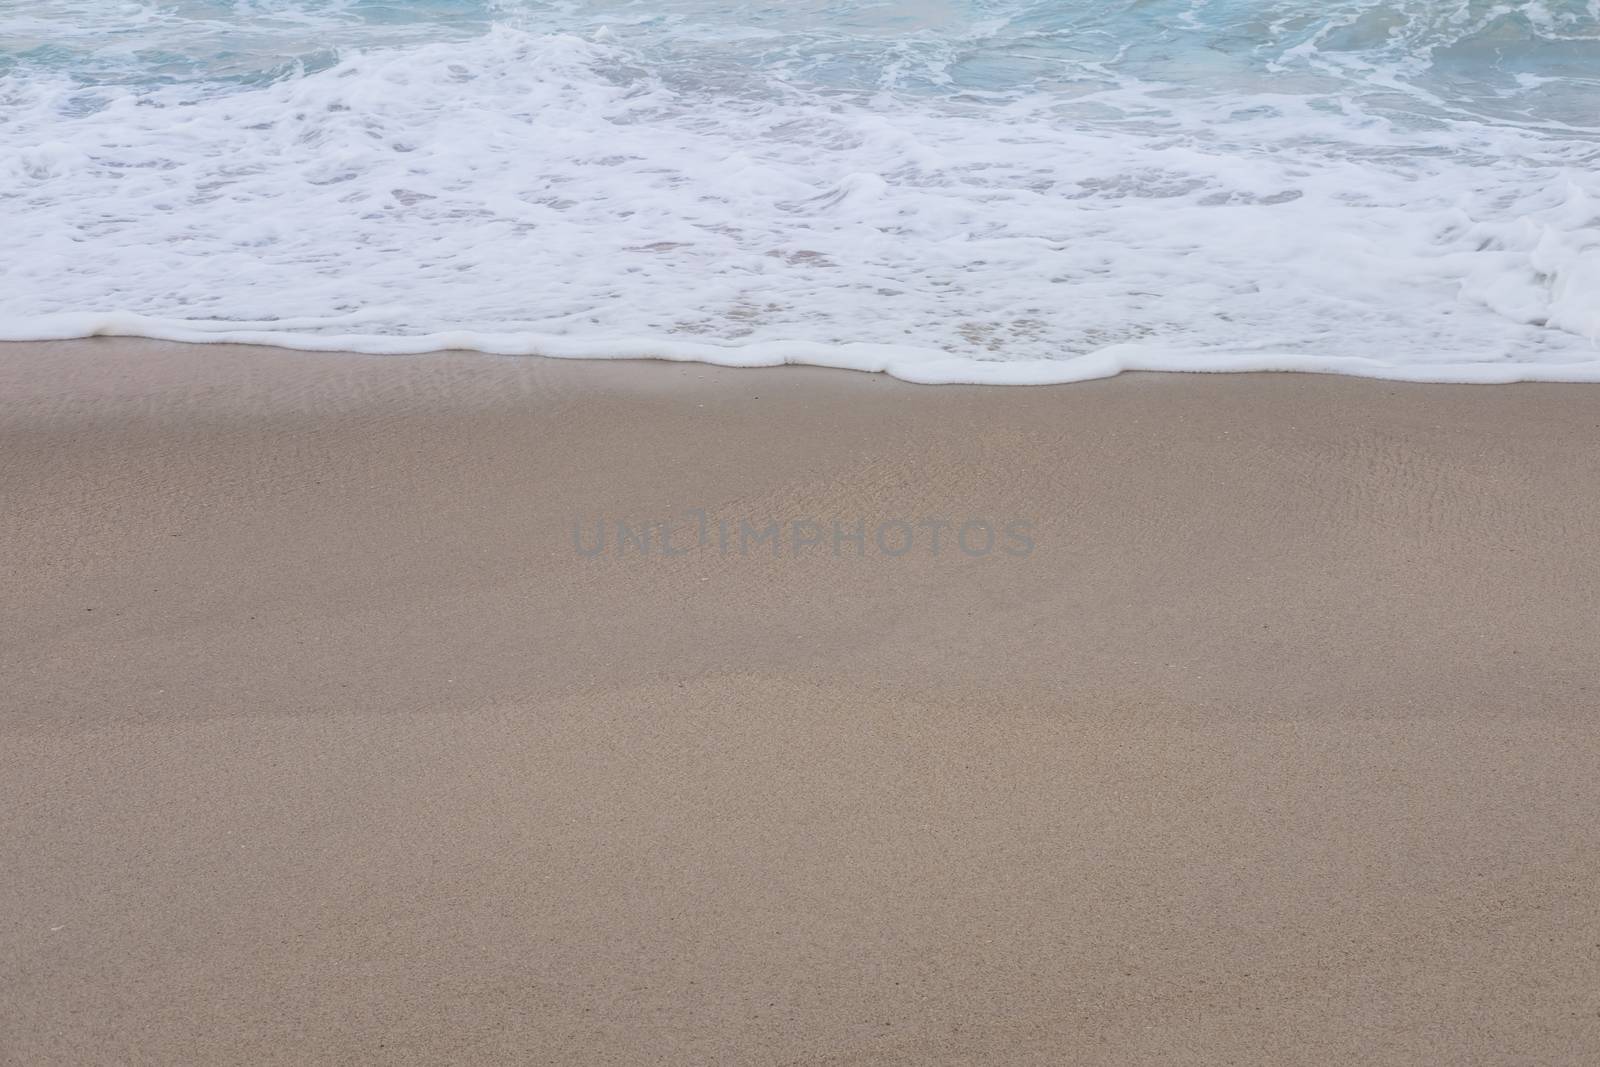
(321, 742)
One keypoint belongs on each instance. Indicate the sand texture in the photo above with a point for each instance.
(323, 739)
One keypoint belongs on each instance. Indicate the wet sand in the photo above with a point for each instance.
(328, 735)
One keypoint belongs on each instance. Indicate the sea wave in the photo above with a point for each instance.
(1001, 192)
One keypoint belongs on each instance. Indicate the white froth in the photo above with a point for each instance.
(525, 192)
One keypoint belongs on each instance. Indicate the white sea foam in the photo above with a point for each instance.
(519, 191)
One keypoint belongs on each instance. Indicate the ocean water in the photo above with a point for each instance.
(949, 190)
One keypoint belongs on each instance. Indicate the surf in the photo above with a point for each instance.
(987, 192)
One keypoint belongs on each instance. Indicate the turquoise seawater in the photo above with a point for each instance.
(1535, 60)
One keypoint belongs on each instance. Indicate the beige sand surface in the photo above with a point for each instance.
(322, 742)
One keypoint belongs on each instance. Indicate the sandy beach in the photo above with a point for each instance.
(340, 723)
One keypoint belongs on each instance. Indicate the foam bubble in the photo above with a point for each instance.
(520, 191)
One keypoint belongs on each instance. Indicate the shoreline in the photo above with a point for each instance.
(907, 363)
(325, 739)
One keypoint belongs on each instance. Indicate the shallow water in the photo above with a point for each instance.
(984, 190)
